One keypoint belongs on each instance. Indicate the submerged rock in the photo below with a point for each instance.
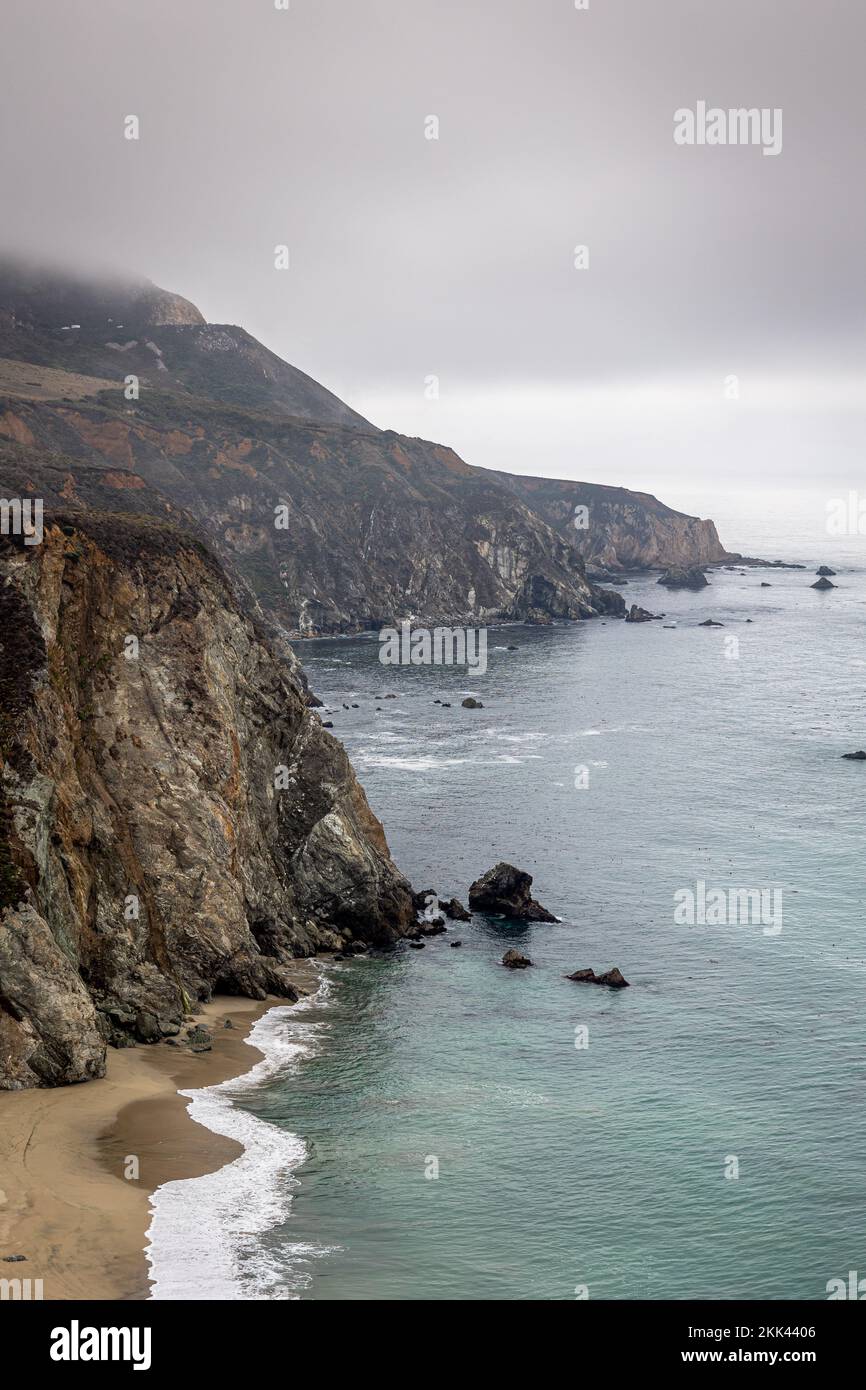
(823, 584)
(513, 960)
(825, 570)
(469, 703)
(505, 889)
(614, 978)
(858, 757)
(710, 622)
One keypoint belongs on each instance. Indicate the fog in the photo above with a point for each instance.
(712, 330)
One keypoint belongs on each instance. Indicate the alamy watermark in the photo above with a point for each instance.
(439, 646)
(739, 126)
(846, 516)
(22, 517)
(732, 907)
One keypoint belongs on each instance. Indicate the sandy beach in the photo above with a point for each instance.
(65, 1202)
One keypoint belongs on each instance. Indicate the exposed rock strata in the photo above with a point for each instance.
(171, 825)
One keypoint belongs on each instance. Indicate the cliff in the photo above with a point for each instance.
(333, 524)
(173, 819)
(624, 530)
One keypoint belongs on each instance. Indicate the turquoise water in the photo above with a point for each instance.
(603, 1166)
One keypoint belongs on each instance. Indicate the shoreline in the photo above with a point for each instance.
(65, 1203)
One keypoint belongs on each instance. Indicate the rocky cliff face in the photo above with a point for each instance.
(622, 530)
(173, 819)
(334, 525)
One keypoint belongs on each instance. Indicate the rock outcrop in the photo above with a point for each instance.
(505, 889)
(174, 820)
(823, 583)
(614, 978)
(614, 529)
(681, 577)
(636, 614)
(513, 960)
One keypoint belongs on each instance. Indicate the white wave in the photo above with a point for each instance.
(425, 762)
(205, 1233)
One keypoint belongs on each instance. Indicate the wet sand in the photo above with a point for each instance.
(66, 1203)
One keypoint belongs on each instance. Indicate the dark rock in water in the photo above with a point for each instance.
(639, 615)
(455, 943)
(312, 701)
(456, 911)
(681, 578)
(446, 704)
(825, 570)
(390, 697)
(513, 960)
(619, 582)
(506, 889)
(710, 622)
(823, 584)
(765, 584)
(858, 757)
(437, 702)
(612, 978)
(433, 928)
(512, 648)
(469, 703)
(416, 945)
(327, 723)
(430, 912)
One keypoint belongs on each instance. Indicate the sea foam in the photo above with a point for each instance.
(205, 1233)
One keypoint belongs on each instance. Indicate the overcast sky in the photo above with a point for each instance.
(454, 258)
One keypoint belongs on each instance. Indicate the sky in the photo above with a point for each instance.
(713, 332)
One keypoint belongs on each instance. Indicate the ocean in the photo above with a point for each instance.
(433, 1126)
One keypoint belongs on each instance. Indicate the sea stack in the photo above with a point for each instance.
(504, 889)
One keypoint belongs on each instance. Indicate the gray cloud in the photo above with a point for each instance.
(453, 257)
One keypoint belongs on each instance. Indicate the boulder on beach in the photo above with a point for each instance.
(858, 757)
(199, 1039)
(823, 584)
(614, 978)
(505, 889)
(680, 577)
(513, 960)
